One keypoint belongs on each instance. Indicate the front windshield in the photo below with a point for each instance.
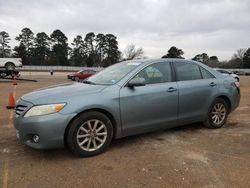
(113, 74)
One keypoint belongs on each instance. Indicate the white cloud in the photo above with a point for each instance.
(217, 27)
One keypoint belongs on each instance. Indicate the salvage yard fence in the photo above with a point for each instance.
(74, 68)
(57, 68)
(244, 70)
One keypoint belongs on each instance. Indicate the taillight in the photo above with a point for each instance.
(235, 84)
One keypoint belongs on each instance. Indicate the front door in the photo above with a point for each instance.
(149, 107)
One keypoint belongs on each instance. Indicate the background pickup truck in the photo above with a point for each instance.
(10, 63)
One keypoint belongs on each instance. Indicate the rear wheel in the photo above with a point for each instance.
(89, 134)
(217, 115)
(9, 66)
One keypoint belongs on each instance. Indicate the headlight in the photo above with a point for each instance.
(44, 109)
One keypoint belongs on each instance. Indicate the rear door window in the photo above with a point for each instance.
(206, 74)
(187, 71)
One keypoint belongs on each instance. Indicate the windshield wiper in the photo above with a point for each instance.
(88, 82)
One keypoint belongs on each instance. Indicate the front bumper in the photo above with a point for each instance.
(50, 129)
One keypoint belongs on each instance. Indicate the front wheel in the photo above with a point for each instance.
(89, 134)
(217, 115)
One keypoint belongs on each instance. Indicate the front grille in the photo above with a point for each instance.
(20, 109)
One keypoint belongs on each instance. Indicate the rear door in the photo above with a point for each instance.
(197, 88)
(152, 106)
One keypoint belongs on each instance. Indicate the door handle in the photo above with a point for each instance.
(171, 89)
(212, 84)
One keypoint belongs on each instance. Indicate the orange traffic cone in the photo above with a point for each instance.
(12, 101)
(14, 82)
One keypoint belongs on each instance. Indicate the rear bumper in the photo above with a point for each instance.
(235, 101)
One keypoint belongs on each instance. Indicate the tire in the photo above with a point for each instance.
(73, 78)
(9, 66)
(238, 80)
(82, 136)
(217, 114)
(77, 79)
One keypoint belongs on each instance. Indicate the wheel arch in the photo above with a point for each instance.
(227, 100)
(103, 111)
(10, 63)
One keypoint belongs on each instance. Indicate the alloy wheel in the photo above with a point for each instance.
(91, 135)
(218, 113)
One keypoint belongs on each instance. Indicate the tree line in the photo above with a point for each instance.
(94, 50)
(53, 49)
(240, 59)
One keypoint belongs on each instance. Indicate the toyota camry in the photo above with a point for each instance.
(128, 98)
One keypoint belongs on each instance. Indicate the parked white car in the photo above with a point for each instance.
(10, 63)
(224, 72)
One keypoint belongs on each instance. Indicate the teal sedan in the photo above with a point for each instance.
(128, 98)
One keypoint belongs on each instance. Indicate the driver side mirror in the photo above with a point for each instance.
(136, 82)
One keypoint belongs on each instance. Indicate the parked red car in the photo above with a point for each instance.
(81, 75)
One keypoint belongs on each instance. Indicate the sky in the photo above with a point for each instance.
(216, 27)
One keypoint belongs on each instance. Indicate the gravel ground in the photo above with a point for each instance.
(188, 156)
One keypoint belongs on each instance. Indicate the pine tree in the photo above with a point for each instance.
(4, 41)
(174, 52)
(60, 48)
(26, 44)
(41, 50)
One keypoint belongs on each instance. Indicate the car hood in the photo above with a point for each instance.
(61, 93)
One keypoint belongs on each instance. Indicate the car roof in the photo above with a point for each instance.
(145, 61)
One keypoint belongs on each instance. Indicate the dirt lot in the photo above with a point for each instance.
(190, 156)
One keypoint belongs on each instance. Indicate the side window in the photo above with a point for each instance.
(153, 72)
(187, 71)
(206, 74)
(156, 73)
